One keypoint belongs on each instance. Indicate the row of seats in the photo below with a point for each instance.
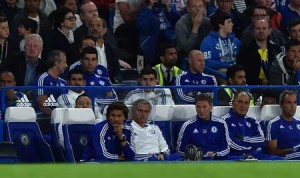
(21, 128)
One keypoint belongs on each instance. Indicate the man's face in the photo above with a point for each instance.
(86, 43)
(225, 6)
(89, 63)
(170, 57)
(96, 27)
(71, 4)
(7, 80)
(261, 30)
(32, 48)
(295, 32)
(203, 109)
(84, 102)
(4, 30)
(196, 7)
(227, 27)
(268, 100)
(141, 113)
(148, 80)
(116, 117)
(289, 105)
(88, 11)
(197, 62)
(238, 79)
(241, 103)
(260, 14)
(293, 57)
(32, 6)
(62, 64)
(76, 80)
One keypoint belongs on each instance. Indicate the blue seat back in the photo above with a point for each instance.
(78, 123)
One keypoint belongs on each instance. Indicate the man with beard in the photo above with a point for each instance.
(167, 71)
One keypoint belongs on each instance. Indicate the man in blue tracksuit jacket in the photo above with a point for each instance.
(111, 139)
(204, 131)
(194, 76)
(245, 136)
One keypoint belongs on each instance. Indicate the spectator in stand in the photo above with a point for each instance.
(261, 13)
(104, 7)
(7, 44)
(275, 16)
(191, 29)
(46, 98)
(72, 4)
(62, 37)
(26, 27)
(193, 77)
(31, 10)
(29, 64)
(156, 24)
(112, 140)
(220, 47)
(156, 96)
(167, 70)
(283, 132)
(289, 12)
(268, 98)
(294, 29)
(10, 9)
(239, 20)
(284, 69)
(107, 54)
(45, 6)
(258, 55)
(204, 132)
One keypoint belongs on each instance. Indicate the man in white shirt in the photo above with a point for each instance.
(156, 96)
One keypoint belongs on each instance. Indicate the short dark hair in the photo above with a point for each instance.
(284, 94)
(204, 97)
(82, 95)
(217, 19)
(164, 46)
(294, 22)
(117, 106)
(29, 24)
(231, 71)
(3, 17)
(53, 56)
(260, 7)
(89, 50)
(85, 37)
(291, 43)
(74, 71)
(148, 71)
(59, 15)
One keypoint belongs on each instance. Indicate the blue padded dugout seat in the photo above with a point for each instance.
(57, 117)
(77, 126)
(23, 130)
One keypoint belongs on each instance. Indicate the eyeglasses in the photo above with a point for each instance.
(260, 15)
(70, 18)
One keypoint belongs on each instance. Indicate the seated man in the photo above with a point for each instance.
(245, 136)
(46, 98)
(111, 138)
(283, 133)
(12, 97)
(149, 141)
(205, 132)
(195, 77)
(157, 96)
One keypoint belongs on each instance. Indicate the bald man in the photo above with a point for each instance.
(194, 76)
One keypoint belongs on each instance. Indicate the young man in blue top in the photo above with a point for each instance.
(283, 132)
(194, 76)
(204, 131)
(111, 139)
(245, 136)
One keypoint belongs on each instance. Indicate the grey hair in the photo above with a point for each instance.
(36, 37)
(284, 94)
(52, 57)
(140, 101)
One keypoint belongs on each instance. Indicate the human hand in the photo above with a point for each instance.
(210, 154)
(124, 64)
(118, 129)
(160, 156)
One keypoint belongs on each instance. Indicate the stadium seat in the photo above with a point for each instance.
(22, 129)
(255, 112)
(8, 153)
(219, 111)
(77, 126)
(57, 116)
(128, 76)
(269, 112)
